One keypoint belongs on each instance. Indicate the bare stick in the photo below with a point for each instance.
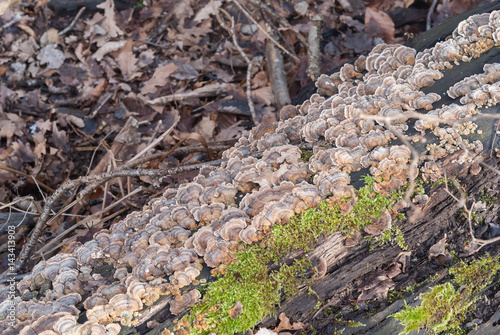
(46, 187)
(413, 170)
(463, 203)
(158, 140)
(72, 24)
(429, 13)
(249, 62)
(313, 51)
(18, 17)
(209, 90)
(277, 74)
(87, 219)
(494, 139)
(251, 106)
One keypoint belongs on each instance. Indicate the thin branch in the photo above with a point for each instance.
(249, 62)
(72, 24)
(313, 52)
(494, 138)
(88, 219)
(251, 106)
(429, 13)
(476, 243)
(277, 75)
(18, 17)
(46, 187)
(157, 140)
(209, 90)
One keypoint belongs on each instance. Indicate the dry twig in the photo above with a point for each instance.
(413, 171)
(277, 74)
(208, 90)
(249, 62)
(476, 243)
(428, 24)
(313, 51)
(45, 248)
(72, 24)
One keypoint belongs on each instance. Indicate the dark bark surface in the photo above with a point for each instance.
(348, 267)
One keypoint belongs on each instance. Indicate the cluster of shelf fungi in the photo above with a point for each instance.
(163, 249)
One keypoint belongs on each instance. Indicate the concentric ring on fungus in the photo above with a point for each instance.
(160, 250)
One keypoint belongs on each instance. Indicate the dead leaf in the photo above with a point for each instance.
(128, 62)
(260, 79)
(107, 48)
(74, 120)
(233, 132)
(348, 20)
(159, 78)
(24, 49)
(59, 137)
(439, 253)
(10, 125)
(23, 151)
(263, 95)
(184, 71)
(460, 6)
(108, 22)
(286, 325)
(6, 94)
(235, 311)
(206, 11)
(6, 4)
(205, 128)
(379, 24)
(40, 145)
(51, 36)
(379, 291)
(182, 11)
(51, 56)
(403, 3)
(146, 58)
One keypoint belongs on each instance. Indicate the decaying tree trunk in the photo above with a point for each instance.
(349, 267)
(350, 270)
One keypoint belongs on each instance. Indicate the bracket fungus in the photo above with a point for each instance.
(161, 249)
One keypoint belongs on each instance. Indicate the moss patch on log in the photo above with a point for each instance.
(259, 279)
(445, 307)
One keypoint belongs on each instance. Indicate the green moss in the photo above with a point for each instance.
(445, 307)
(306, 155)
(250, 281)
(488, 199)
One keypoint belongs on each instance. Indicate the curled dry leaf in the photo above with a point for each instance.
(286, 325)
(236, 310)
(379, 23)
